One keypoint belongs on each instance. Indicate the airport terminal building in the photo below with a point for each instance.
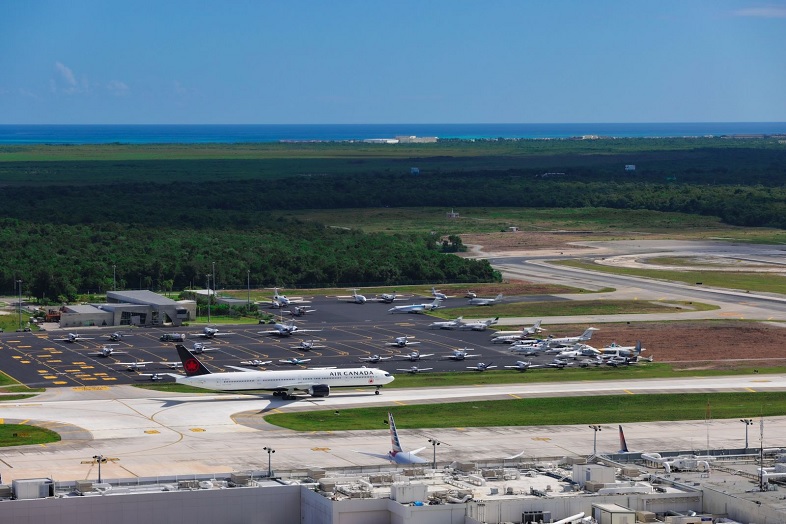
(129, 308)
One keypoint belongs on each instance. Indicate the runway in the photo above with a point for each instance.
(181, 434)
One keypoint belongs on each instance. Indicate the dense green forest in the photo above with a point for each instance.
(160, 223)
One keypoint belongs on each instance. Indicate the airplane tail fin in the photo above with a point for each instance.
(499, 297)
(191, 365)
(637, 350)
(394, 441)
(587, 333)
(623, 444)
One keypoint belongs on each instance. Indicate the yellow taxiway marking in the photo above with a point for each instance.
(16, 356)
(87, 367)
(761, 381)
(628, 392)
(78, 363)
(399, 403)
(25, 421)
(514, 396)
(54, 361)
(23, 347)
(49, 377)
(24, 361)
(59, 382)
(151, 431)
(108, 379)
(544, 439)
(90, 388)
(276, 410)
(89, 378)
(44, 356)
(321, 449)
(197, 430)
(751, 390)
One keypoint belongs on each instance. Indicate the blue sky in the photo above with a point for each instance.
(369, 61)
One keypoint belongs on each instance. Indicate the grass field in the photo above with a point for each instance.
(612, 409)
(23, 435)
(763, 282)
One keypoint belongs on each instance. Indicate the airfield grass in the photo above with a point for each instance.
(616, 409)
(24, 435)
(574, 307)
(762, 282)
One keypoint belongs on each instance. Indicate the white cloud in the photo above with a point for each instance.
(117, 87)
(762, 12)
(66, 74)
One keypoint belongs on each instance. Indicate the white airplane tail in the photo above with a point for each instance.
(395, 443)
(587, 334)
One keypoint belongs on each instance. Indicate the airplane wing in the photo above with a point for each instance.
(424, 355)
(376, 455)
(424, 369)
(238, 368)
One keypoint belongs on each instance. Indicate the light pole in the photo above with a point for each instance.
(248, 299)
(208, 297)
(270, 451)
(20, 303)
(434, 443)
(595, 428)
(747, 422)
(99, 459)
(114, 277)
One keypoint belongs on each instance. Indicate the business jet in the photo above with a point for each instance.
(299, 311)
(307, 345)
(415, 356)
(106, 351)
(387, 298)
(559, 363)
(460, 354)
(414, 370)
(256, 362)
(470, 294)
(354, 298)
(479, 325)
(485, 301)
(211, 332)
(315, 382)
(522, 366)
(373, 358)
(117, 336)
(133, 366)
(622, 351)
(294, 361)
(436, 294)
(417, 308)
(564, 341)
(481, 366)
(397, 455)
(534, 329)
(72, 337)
(286, 330)
(401, 342)
(447, 324)
(538, 346)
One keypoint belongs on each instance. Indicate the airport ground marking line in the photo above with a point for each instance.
(628, 392)
(514, 395)
(751, 390)
(399, 403)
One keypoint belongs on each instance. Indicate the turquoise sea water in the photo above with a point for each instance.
(201, 134)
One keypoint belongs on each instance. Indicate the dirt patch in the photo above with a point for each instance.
(697, 345)
(519, 240)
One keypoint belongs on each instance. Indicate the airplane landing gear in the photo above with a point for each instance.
(376, 392)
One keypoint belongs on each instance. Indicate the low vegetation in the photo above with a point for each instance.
(24, 435)
(574, 307)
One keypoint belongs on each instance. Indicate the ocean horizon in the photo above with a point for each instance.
(27, 134)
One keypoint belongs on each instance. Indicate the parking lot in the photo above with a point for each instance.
(346, 333)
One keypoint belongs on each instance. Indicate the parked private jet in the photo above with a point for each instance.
(373, 358)
(134, 366)
(523, 366)
(299, 311)
(72, 337)
(201, 347)
(294, 361)
(564, 341)
(256, 362)
(307, 345)
(531, 330)
(485, 301)
(106, 351)
(354, 298)
(417, 308)
(436, 294)
(479, 325)
(315, 382)
(117, 336)
(153, 376)
(387, 298)
(460, 354)
(286, 330)
(447, 324)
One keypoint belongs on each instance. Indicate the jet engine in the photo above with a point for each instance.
(319, 390)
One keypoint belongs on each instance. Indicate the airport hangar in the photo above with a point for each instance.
(129, 308)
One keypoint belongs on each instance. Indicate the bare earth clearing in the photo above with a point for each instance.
(688, 345)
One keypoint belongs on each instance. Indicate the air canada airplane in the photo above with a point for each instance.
(417, 308)
(397, 455)
(315, 382)
(485, 301)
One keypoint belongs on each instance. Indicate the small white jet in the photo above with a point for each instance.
(106, 351)
(564, 341)
(522, 366)
(397, 455)
(437, 294)
(460, 354)
(117, 336)
(286, 330)
(414, 369)
(171, 365)
(479, 325)
(201, 347)
(73, 337)
(524, 332)
(415, 356)
(387, 298)
(299, 311)
(307, 345)
(134, 366)
(485, 301)
(530, 347)
(153, 376)
(447, 324)
(282, 301)
(417, 308)
(373, 358)
(256, 362)
(481, 366)
(295, 361)
(401, 342)
(354, 298)
(622, 351)
(211, 332)
(559, 363)
(470, 294)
